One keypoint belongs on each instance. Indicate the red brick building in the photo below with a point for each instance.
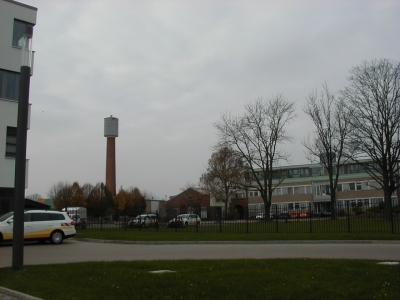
(190, 200)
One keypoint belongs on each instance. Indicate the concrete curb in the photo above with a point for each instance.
(8, 294)
(239, 242)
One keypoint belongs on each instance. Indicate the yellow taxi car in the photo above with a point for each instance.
(39, 225)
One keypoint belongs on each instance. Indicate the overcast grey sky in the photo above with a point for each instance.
(168, 70)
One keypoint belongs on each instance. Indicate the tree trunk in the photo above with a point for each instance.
(334, 211)
(387, 210)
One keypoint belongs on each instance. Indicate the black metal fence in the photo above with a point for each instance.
(347, 218)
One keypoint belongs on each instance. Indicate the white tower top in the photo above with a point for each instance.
(111, 127)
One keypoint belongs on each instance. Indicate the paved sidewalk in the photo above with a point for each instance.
(7, 294)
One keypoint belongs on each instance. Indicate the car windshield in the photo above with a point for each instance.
(6, 216)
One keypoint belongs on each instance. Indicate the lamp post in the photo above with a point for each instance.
(20, 157)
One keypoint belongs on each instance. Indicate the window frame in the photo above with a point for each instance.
(9, 85)
(11, 142)
(19, 27)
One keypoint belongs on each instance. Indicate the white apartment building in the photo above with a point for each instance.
(14, 16)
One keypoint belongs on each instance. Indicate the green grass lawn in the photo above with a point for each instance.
(209, 279)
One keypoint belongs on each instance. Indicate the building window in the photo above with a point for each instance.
(11, 141)
(355, 186)
(308, 189)
(253, 194)
(345, 187)
(277, 192)
(374, 185)
(305, 172)
(19, 29)
(204, 212)
(9, 85)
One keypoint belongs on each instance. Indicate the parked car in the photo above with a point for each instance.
(260, 216)
(295, 215)
(284, 216)
(175, 222)
(76, 218)
(144, 220)
(185, 220)
(304, 214)
(39, 225)
(326, 213)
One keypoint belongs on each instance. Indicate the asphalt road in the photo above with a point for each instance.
(81, 251)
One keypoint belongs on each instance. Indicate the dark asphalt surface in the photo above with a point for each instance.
(79, 251)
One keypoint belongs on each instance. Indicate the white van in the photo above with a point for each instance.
(39, 225)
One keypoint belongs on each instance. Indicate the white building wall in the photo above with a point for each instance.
(10, 60)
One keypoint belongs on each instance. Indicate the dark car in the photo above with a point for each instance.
(326, 213)
(284, 216)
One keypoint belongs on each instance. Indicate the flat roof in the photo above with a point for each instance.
(21, 4)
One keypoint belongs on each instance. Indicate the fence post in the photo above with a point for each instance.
(310, 216)
(220, 218)
(247, 218)
(391, 215)
(276, 218)
(348, 215)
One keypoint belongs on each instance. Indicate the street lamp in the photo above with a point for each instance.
(20, 156)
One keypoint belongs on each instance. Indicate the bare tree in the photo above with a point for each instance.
(33, 197)
(255, 137)
(326, 145)
(188, 185)
(135, 202)
(66, 195)
(61, 193)
(224, 175)
(374, 99)
(98, 198)
(120, 199)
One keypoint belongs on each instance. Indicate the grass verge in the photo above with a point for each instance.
(149, 234)
(209, 279)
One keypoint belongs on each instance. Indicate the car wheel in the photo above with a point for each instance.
(56, 237)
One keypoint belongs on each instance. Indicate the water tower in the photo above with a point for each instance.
(111, 132)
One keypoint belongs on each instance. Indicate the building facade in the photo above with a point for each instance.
(14, 17)
(189, 201)
(307, 186)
